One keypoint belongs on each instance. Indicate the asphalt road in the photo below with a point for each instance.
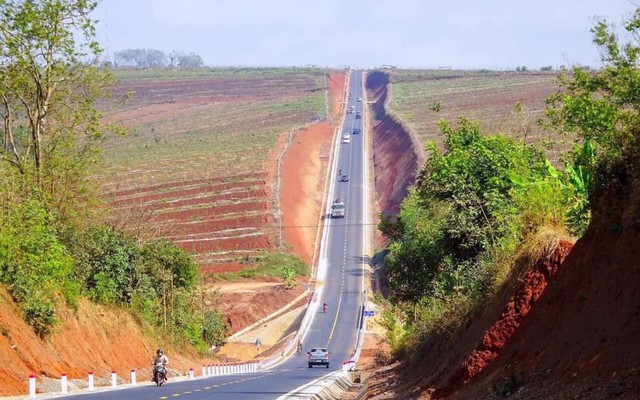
(337, 329)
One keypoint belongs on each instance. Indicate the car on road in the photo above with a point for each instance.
(346, 137)
(344, 178)
(337, 209)
(358, 115)
(350, 110)
(359, 98)
(356, 131)
(318, 356)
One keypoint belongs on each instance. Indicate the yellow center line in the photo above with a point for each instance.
(335, 321)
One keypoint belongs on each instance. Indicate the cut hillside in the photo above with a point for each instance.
(581, 339)
(92, 338)
(565, 327)
(397, 153)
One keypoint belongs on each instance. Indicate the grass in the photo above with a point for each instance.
(214, 72)
(168, 126)
(489, 96)
(269, 265)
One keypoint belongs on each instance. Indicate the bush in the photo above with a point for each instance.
(34, 264)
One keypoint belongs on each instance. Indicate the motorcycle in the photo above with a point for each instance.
(324, 308)
(159, 373)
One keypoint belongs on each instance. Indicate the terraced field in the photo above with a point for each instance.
(198, 163)
(488, 96)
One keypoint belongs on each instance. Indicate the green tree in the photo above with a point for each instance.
(47, 95)
(602, 107)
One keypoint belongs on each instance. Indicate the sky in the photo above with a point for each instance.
(492, 34)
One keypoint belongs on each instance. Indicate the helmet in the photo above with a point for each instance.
(159, 352)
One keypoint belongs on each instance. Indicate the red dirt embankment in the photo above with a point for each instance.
(96, 338)
(336, 85)
(576, 339)
(303, 175)
(397, 152)
(581, 340)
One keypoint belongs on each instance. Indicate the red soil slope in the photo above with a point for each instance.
(96, 338)
(576, 339)
(581, 341)
(304, 173)
(397, 153)
(336, 82)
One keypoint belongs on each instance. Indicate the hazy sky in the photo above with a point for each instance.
(363, 33)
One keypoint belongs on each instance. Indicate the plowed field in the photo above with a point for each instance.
(198, 163)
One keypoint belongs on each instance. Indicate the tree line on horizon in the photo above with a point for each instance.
(154, 58)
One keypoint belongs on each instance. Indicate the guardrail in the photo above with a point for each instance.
(113, 381)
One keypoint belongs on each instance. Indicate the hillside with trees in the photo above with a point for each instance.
(56, 248)
(486, 297)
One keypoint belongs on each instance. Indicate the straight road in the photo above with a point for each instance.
(343, 252)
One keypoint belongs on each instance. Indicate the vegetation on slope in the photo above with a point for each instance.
(52, 248)
(474, 204)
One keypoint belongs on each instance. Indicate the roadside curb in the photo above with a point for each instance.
(269, 317)
(328, 387)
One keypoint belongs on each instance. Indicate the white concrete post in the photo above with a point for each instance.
(204, 371)
(216, 370)
(63, 384)
(190, 373)
(90, 380)
(133, 377)
(32, 386)
(210, 369)
(114, 379)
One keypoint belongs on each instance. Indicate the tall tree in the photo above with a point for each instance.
(49, 82)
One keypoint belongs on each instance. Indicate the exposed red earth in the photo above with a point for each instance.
(220, 212)
(303, 174)
(397, 153)
(91, 338)
(304, 166)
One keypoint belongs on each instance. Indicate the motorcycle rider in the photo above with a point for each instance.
(161, 358)
(324, 307)
(299, 349)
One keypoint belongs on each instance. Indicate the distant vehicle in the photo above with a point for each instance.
(318, 356)
(344, 178)
(356, 131)
(358, 115)
(360, 99)
(346, 138)
(350, 110)
(337, 209)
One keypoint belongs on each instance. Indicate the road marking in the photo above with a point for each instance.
(175, 395)
(335, 321)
